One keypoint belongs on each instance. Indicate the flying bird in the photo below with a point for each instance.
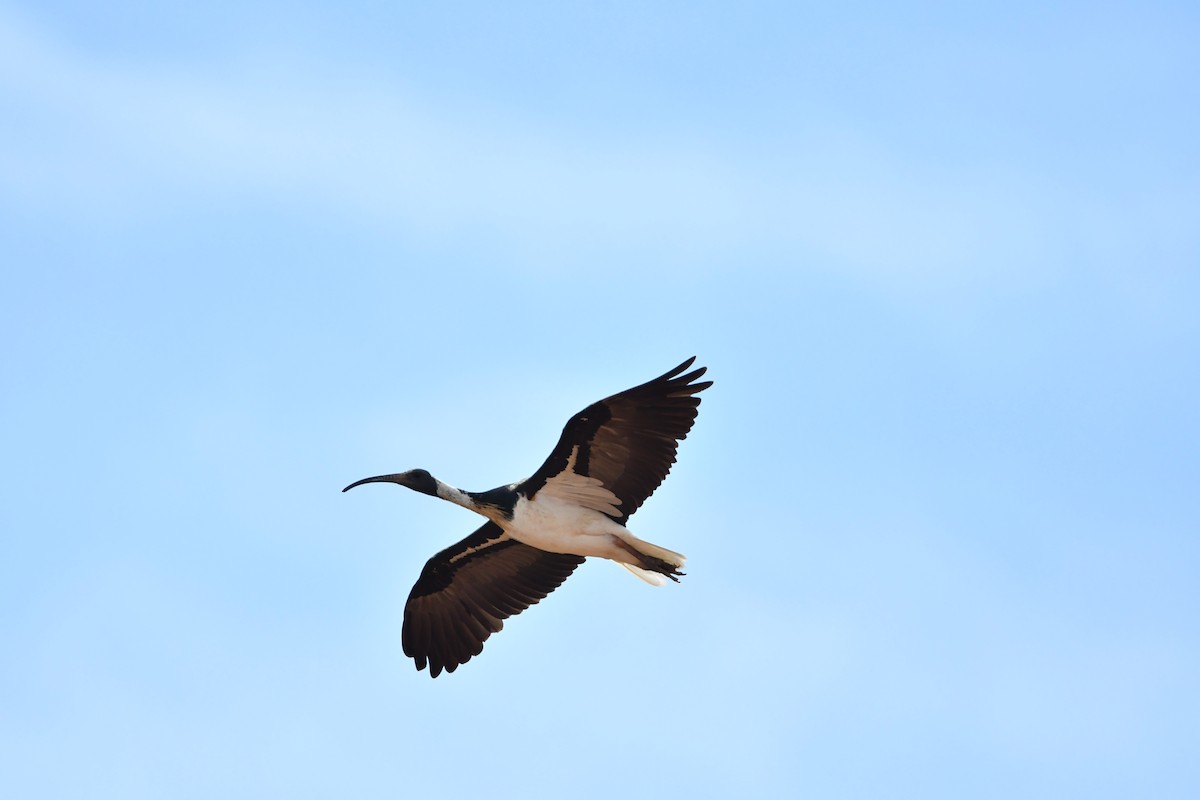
(610, 458)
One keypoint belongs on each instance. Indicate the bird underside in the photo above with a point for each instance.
(612, 541)
(653, 564)
(574, 514)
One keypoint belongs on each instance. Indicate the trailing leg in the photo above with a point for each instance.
(649, 562)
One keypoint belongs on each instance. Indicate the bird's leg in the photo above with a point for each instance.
(649, 562)
(662, 567)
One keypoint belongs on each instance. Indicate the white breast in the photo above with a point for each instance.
(558, 526)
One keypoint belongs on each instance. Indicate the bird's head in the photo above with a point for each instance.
(418, 480)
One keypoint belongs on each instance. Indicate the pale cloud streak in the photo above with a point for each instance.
(100, 139)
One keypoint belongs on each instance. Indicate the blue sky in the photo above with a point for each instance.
(940, 507)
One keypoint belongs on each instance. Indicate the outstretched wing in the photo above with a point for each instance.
(614, 454)
(466, 592)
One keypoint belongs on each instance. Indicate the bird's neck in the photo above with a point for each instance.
(495, 504)
(456, 496)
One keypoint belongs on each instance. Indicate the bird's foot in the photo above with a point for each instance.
(662, 567)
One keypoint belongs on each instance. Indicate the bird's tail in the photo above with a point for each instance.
(667, 566)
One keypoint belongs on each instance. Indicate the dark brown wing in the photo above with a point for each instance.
(628, 441)
(467, 590)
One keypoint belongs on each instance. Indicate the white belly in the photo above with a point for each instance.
(555, 526)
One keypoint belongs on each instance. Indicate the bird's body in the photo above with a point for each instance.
(560, 526)
(610, 458)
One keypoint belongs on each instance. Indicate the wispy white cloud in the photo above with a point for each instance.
(101, 138)
(95, 129)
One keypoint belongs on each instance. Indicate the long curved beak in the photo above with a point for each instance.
(398, 477)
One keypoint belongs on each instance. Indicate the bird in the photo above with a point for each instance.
(609, 459)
